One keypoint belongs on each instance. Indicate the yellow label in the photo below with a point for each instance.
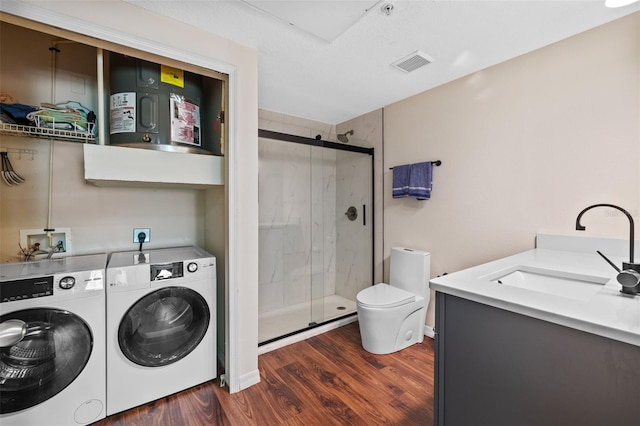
(172, 75)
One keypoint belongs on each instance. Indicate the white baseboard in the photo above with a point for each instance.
(305, 335)
(428, 331)
(249, 379)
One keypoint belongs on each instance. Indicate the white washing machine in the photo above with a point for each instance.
(52, 338)
(160, 324)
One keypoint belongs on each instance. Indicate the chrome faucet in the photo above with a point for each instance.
(629, 276)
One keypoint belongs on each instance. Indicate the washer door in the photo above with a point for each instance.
(164, 326)
(54, 350)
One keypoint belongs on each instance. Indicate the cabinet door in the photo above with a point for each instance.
(496, 367)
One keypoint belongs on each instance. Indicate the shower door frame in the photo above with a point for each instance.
(318, 142)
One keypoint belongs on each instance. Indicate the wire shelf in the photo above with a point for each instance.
(46, 133)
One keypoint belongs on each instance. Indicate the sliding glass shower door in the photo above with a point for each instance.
(316, 232)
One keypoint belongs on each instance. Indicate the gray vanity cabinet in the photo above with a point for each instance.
(495, 367)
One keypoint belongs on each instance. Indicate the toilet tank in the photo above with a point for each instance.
(410, 270)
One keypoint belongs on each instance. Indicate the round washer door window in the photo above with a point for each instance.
(55, 349)
(164, 326)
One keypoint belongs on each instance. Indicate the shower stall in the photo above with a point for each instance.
(316, 231)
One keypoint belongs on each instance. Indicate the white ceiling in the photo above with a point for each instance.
(330, 60)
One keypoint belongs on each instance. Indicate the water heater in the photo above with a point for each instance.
(161, 107)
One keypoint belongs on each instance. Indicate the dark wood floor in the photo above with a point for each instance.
(325, 380)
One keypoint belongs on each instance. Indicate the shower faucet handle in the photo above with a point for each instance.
(351, 213)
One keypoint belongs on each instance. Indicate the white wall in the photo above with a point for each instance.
(118, 21)
(525, 146)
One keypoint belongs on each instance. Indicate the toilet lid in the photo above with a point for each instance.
(384, 296)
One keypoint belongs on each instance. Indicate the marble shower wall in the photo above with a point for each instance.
(323, 219)
(297, 235)
(297, 192)
(354, 251)
(368, 132)
(308, 247)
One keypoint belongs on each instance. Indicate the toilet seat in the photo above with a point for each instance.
(383, 295)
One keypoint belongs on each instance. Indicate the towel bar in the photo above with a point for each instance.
(435, 163)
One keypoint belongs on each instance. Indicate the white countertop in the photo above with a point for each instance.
(607, 312)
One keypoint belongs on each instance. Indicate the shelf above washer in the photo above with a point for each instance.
(108, 165)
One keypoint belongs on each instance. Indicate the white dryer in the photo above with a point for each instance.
(160, 324)
(52, 333)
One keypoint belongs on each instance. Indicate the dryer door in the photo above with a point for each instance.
(164, 326)
(55, 348)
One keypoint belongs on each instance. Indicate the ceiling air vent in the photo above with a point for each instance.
(412, 61)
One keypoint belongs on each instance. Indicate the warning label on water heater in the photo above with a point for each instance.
(185, 121)
(122, 113)
(172, 75)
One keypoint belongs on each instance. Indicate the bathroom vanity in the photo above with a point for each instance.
(544, 337)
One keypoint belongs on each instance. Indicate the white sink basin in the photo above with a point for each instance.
(549, 281)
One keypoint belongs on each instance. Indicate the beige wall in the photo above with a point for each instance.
(101, 219)
(118, 22)
(525, 146)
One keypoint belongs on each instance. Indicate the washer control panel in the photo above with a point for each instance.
(27, 288)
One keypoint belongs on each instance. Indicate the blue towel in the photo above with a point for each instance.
(401, 181)
(420, 180)
(17, 112)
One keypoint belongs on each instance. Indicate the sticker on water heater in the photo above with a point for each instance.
(185, 121)
(122, 113)
(172, 75)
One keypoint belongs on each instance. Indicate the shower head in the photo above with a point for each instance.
(343, 137)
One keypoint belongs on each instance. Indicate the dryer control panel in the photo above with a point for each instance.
(165, 271)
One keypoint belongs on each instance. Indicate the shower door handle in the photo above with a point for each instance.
(364, 215)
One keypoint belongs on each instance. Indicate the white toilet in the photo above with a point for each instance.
(392, 316)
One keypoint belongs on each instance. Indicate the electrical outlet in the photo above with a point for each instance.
(147, 232)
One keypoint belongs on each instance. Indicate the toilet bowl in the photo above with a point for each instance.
(391, 316)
